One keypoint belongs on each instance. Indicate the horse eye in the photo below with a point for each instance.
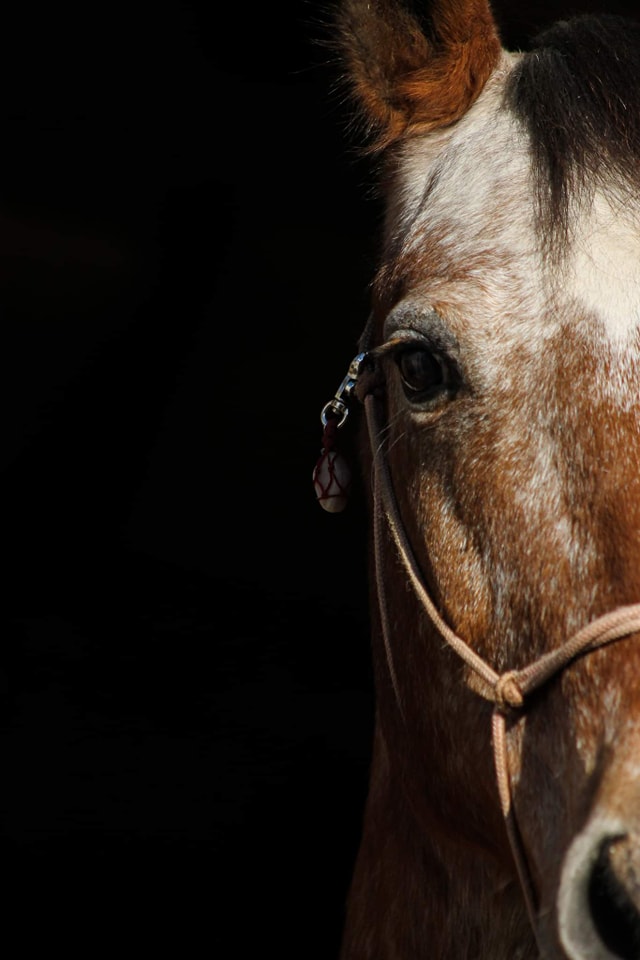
(423, 373)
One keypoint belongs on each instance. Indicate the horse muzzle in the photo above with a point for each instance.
(599, 895)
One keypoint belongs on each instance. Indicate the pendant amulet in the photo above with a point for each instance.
(332, 481)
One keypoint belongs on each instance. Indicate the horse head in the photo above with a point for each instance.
(500, 368)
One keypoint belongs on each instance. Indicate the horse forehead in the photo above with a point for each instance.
(469, 186)
(468, 193)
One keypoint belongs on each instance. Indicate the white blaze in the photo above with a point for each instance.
(603, 273)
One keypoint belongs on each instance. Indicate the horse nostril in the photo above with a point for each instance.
(613, 894)
(599, 893)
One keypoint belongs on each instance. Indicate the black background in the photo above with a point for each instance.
(186, 239)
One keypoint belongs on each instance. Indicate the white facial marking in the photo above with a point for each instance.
(603, 273)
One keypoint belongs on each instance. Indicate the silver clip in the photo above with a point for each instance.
(338, 406)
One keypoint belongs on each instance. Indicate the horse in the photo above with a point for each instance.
(497, 381)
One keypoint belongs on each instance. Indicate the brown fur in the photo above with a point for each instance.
(407, 82)
(516, 557)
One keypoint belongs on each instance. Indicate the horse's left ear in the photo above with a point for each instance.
(410, 75)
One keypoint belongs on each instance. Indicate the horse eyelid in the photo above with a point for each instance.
(414, 341)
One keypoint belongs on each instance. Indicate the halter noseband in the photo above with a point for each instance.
(507, 691)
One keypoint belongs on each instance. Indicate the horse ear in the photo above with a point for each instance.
(413, 75)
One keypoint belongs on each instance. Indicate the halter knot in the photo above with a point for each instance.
(507, 693)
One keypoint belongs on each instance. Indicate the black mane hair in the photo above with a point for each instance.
(577, 91)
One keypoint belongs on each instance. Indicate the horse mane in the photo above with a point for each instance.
(577, 92)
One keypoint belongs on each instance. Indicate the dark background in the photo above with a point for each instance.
(186, 239)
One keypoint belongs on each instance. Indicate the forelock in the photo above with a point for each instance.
(577, 92)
